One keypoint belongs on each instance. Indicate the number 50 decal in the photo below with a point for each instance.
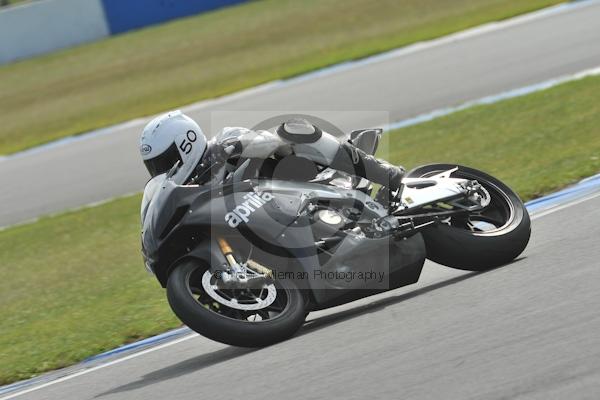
(186, 145)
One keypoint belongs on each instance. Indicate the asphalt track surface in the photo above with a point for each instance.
(528, 330)
(438, 74)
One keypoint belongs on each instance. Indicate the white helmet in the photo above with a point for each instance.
(169, 138)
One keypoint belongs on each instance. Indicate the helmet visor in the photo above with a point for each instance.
(163, 162)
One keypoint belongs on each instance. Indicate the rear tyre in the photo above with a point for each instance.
(226, 321)
(483, 240)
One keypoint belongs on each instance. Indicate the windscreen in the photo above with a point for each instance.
(149, 191)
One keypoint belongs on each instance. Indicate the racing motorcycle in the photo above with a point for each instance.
(246, 255)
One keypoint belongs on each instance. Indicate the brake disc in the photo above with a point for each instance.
(267, 296)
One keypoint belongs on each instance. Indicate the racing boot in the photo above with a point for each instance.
(353, 160)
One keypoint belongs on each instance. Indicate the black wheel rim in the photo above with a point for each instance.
(271, 312)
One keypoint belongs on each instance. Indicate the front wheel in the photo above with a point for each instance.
(480, 240)
(240, 317)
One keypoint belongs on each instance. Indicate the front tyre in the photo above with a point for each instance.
(239, 317)
(481, 240)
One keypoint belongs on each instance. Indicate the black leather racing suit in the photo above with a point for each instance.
(317, 146)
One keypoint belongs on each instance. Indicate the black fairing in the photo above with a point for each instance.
(184, 221)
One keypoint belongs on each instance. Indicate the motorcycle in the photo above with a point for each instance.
(245, 256)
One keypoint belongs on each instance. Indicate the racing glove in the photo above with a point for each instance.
(251, 144)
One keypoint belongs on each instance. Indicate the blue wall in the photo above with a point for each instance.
(124, 15)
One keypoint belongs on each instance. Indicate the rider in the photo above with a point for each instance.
(175, 137)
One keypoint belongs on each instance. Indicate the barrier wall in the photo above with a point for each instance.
(47, 25)
(124, 15)
(44, 26)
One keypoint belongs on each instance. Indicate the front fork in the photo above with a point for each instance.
(241, 275)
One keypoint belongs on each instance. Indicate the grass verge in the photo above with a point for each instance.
(536, 143)
(74, 284)
(158, 68)
(4, 3)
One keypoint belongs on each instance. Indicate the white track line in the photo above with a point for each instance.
(193, 335)
(108, 364)
(563, 206)
(348, 65)
(496, 98)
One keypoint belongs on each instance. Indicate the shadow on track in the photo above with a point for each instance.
(328, 320)
(198, 363)
(185, 367)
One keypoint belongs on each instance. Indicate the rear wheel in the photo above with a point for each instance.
(253, 317)
(479, 240)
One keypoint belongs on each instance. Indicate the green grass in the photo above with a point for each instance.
(74, 285)
(11, 2)
(536, 143)
(158, 68)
